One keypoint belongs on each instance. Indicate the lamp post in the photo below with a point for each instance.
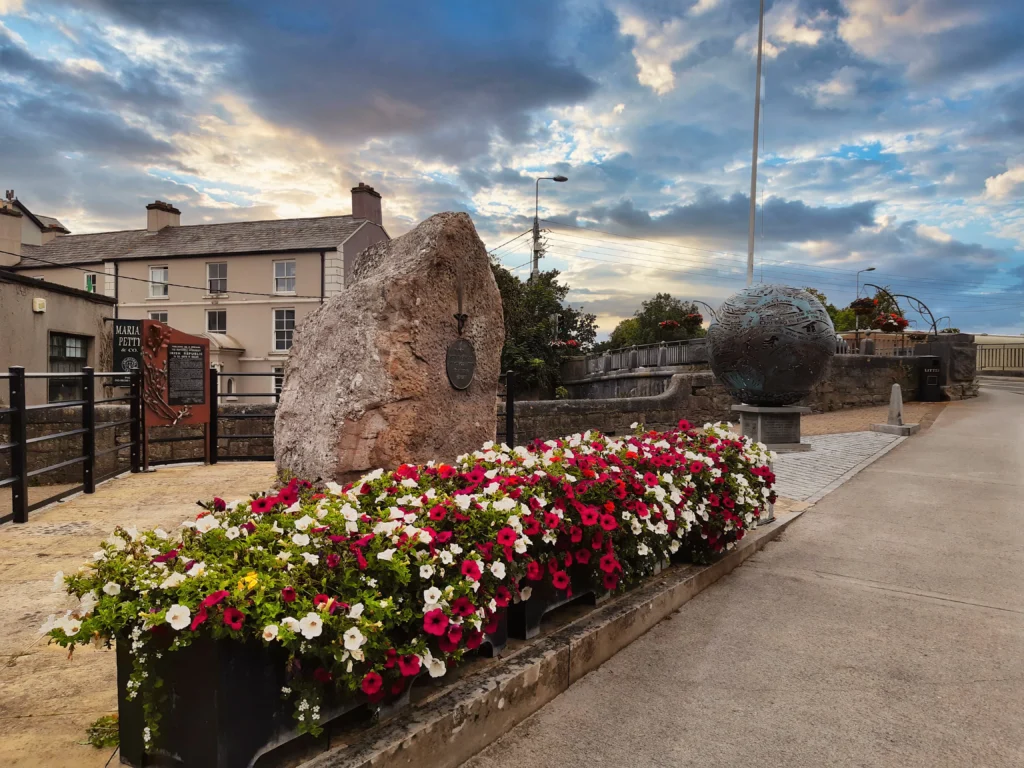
(536, 222)
(856, 317)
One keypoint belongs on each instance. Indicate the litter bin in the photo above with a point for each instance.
(930, 385)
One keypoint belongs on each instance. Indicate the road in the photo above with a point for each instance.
(1013, 384)
(884, 628)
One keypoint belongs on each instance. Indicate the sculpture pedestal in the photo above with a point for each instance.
(778, 427)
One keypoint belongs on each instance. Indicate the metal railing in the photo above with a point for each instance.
(216, 416)
(1001, 357)
(686, 352)
(19, 443)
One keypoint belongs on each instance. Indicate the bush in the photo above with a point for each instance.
(367, 584)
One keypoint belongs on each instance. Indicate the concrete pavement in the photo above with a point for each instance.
(885, 628)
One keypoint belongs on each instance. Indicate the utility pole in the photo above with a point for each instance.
(753, 164)
(538, 249)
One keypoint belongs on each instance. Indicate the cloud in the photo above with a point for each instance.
(657, 48)
(1005, 185)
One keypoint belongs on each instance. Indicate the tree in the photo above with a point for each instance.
(842, 319)
(662, 318)
(535, 342)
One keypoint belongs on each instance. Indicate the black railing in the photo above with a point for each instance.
(216, 416)
(19, 443)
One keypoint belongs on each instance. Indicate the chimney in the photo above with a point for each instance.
(160, 215)
(366, 203)
(10, 235)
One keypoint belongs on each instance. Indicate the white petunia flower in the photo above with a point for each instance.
(283, 555)
(311, 559)
(446, 557)
(526, 593)
(207, 523)
(432, 596)
(58, 580)
(300, 539)
(386, 554)
(356, 611)
(353, 639)
(642, 550)
(426, 571)
(112, 588)
(311, 626)
(304, 522)
(498, 569)
(178, 616)
(291, 622)
(270, 632)
(197, 569)
(435, 667)
(172, 581)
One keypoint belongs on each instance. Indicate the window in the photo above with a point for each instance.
(284, 327)
(284, 277)
(158, 282)
(217, 321)
(231, 386)
(278, 381)
(217, 277)
(68, 354)
(161, 316)
(90, 282)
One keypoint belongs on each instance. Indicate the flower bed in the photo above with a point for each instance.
(366, 586)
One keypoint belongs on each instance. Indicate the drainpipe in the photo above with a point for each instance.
(323, 275)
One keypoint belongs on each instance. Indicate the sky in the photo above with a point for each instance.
(892, 132)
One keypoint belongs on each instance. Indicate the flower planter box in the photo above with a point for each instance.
(495, 642)
(221, 707)
(524, 618)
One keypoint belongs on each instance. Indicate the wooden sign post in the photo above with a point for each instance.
(174, 383)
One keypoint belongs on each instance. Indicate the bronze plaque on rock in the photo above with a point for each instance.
(460, 363)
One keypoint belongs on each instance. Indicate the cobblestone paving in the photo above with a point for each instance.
(807, 476)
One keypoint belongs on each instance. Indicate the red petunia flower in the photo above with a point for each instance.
(560, 579)
(551, 520)
(608, 563)
(696, 467)
(650, 479)
(288, 594)
(610, 581)
(372, 683)
(409, 665)
(462, 606)
(198, 619)
(582, 556)
(471, 570)
(219, 505)
(435, 622)
(474, 639)
(533, 571)
(437, 513)
(454, 634)
(502, 596)
(213, 598)
(234, 618)
(713, 499)
(609, 523)
(589, 516)
(507, 536)
(446, 472)
(322, 675)
(333, 559)
(684, 425)
(319, 600)
(263, 504)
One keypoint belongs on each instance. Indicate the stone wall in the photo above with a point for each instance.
(56, 420)
(852, 381)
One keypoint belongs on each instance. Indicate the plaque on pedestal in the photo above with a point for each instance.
(778, 427)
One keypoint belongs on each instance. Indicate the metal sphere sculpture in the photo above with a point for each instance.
(769, 344)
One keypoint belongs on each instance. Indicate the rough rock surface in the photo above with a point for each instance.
(365, 385)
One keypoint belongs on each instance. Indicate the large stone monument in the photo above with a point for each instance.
(769, 345)
(401, 366)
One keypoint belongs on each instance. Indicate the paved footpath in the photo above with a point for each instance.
(884, 628)
(807, 476)
(47, 701)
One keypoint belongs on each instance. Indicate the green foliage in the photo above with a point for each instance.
(842, 319)
(645, 325)
(950, 330)
(103, 734)
(532, 348)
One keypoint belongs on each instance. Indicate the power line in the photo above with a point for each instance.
(155, 282)
(498, 247)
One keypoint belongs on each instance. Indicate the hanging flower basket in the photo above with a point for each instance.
(917, 336)
(891, 323)
(864, 307)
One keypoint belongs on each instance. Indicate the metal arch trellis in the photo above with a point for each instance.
(916, 304)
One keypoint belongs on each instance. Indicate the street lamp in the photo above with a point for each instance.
(856, 317)
(536, 221)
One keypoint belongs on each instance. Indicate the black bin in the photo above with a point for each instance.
(930, 385)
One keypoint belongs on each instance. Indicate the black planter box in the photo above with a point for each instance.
(524, 618)
(221, 707)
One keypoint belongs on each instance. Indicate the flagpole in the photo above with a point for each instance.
(753, 163)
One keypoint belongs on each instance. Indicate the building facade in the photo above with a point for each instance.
(245, 285)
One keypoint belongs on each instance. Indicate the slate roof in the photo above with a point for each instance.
(324, 233)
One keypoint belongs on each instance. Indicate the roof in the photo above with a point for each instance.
(43, 222)
(323, 233)
(223, 341)
(6, 276)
